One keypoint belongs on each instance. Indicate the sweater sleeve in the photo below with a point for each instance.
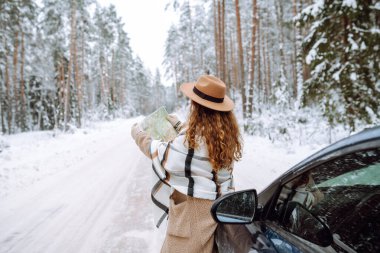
(142, 139)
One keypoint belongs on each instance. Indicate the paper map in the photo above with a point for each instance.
(158, 126)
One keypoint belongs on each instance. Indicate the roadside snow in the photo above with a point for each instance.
(27, 158)
(86, 191)
(264, 161)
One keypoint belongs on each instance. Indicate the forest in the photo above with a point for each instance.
(64, 63)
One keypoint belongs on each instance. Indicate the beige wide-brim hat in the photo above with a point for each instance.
(210, 92)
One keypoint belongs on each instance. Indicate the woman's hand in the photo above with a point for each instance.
(142, 139)
(135, 130)
(176, 123)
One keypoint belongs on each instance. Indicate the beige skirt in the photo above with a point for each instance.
(191, 227)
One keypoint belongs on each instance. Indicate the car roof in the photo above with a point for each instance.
(331, 151)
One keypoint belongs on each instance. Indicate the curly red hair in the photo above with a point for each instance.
(221, 133)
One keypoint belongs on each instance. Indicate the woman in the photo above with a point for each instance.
(197, 164)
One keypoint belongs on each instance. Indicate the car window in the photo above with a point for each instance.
(367, 176)
(345, 194)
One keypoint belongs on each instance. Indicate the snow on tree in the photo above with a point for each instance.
(342, 49)
(63, 62)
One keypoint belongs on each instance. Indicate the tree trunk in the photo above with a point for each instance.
(241, 59)
(220, 44)
(234, 67)
(216, 36)
(60, 93)
(295, 49)
(85, 94)
(15, 118)
(228, 65)
(22, 86)
(72, 49)
(223, 42)
(2, 100)
(112, 81)
(2, 111)
(107, 83)
(123, 87)
(221, 61)
(102, 81)
(4, 96)
(78, 86)
(253, 50)
(62, 88)
(283, 79)
(268, 68)
(269, 62)
(299, 58)
(259, 78)
(7, 107)
(265, 66)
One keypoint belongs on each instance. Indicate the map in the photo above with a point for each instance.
(158, 126)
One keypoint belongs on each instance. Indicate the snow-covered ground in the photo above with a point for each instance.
(87, 191)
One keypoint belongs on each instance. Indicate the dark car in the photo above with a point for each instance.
(330, 202)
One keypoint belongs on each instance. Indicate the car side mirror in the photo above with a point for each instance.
(236, 208)
(298, 220)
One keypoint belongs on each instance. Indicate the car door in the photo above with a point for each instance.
(342, 193)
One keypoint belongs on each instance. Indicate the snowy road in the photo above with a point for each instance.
(96, 205)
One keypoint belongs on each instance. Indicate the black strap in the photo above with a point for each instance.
(217, 186)
(207, 97)
(161, 220)
(155, 201)
(190, 187)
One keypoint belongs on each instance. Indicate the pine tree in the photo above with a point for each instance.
(62, 63)
(123, 63)
(186, 59)
(15, 20)
(282, 85)
(342, 49)
(172, 59)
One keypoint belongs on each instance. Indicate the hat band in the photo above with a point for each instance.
(207, 97)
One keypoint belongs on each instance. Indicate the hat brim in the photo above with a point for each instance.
(226, 106)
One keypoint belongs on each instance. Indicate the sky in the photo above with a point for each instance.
(146, 23)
